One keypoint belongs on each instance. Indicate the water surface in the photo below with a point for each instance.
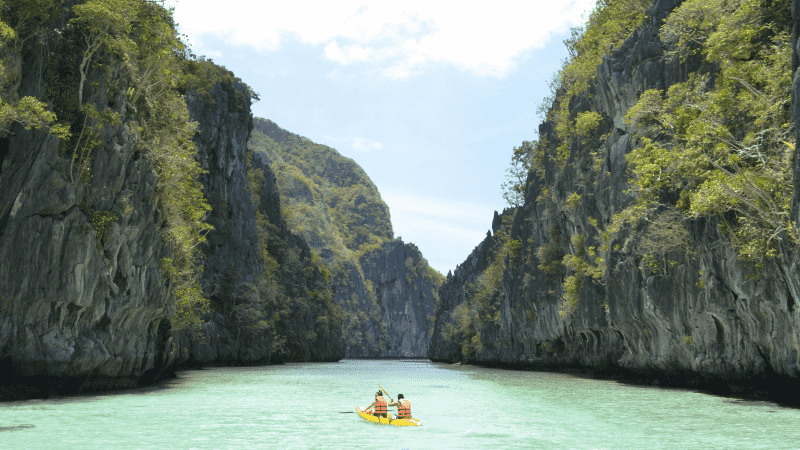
(309, 406)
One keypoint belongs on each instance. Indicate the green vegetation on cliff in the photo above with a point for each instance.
(723, 141)
(608, 25)
(291, 309)
(115, 62)
(330, 201)
(141, 37)
(482, 299)
(20, 19)
(325, 196)
(719, 144)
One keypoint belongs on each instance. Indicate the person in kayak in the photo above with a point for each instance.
(380, 405)
(403, 407)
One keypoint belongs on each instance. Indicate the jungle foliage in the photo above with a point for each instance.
(19, 21)
(329, 201)
(482, 298)
(326, 197)
(113, 62)
(608, 25)
(722, 142)
(719, 145)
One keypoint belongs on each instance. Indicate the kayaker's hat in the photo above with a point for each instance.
(399, 396)
(379, 393)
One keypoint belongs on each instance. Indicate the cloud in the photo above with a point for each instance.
(349, 54)
(400, 39)
(365, 145)
(334, 53)
(213, 54)
(358, 143)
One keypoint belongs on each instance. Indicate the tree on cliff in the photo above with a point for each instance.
(719, 144)
(141, 35)
(724, 139)
(330, 201)
(26, 111)
(513, 188)
(108, 47)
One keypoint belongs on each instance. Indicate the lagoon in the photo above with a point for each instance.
(310, 406)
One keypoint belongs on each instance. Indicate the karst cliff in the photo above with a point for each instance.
(138, 234)
(384, 287)
(141, 232)
(577, 278)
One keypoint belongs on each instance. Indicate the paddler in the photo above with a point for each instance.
(403, 407)
(380, 405)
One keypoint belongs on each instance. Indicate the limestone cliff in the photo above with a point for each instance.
(406, 288)
(701, 317)
(82, 302)
(333, 204)
(85, 300)
(445, 345)
(246, 293)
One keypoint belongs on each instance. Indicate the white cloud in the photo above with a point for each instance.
(365, 145)
(358, 143)
(398, 38)
(349, 54)
(334, 53)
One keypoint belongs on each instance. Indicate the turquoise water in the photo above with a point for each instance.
(300, 406)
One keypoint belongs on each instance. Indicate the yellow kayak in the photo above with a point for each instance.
(386, 421)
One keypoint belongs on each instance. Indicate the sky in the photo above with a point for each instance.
(429, 99)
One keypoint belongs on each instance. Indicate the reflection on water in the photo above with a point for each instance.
(461, 407)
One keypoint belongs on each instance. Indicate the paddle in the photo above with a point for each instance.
(390, 400)
(350, 412)
(385, 391)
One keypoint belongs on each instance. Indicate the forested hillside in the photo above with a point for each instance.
(655, 233)
(327, 196)
(332, 203)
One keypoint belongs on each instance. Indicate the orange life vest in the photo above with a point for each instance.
(380, 407)
(404, 409)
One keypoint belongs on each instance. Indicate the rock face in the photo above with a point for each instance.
(406, 290)
(233, 333)
(82, 304)
(385, 306)
(232, 261)
(703, 321)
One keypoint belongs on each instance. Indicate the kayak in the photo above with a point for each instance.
(386, 421)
